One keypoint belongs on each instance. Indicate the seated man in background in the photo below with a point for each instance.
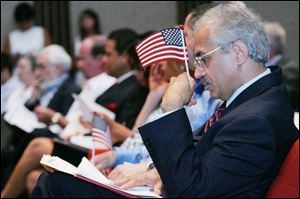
(97, 81)
(277, 44)
(53, 89)
(117, 64)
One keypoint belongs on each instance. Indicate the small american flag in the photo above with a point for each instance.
(166, 44)
(102, 137)
(99, 123)
(100, 133)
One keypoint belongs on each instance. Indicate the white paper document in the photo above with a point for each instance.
(88, 172)
(86, 109)
(23, 118)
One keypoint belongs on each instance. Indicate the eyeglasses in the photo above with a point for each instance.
(200, 62)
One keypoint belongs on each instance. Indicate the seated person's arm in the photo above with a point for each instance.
(49, 116)
(118, 131)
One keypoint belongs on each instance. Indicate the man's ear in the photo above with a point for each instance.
(99, 58)
(126, 57)
(240, 51)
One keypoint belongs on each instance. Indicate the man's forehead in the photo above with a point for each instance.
(42, 57)
(110, 43)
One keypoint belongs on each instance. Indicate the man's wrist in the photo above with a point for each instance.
(170, 107)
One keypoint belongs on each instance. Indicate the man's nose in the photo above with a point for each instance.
(199, 72)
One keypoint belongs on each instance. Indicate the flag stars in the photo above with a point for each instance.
(172, 36)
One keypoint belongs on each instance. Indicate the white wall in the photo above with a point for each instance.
(287, 14)
(140, 16)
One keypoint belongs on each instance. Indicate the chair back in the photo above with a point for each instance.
(286, 184)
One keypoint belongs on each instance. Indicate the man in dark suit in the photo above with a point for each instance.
(127, 89)
(242, 145)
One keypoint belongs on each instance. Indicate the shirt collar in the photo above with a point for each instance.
(54, 83)
(274, 60)
(246, 85)
(125, 76)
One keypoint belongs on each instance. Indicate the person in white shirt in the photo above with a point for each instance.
(89, 25)
(27, 38)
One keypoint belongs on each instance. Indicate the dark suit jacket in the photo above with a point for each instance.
(125, 100)
(62, 100)
(240, 154)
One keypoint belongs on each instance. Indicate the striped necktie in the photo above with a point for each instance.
(215, 117)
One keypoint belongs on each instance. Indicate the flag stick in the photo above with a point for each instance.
(93, 153)
(185, 58)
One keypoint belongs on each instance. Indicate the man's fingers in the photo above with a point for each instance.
(120, 182)
(134, 182)
(99, 166)
(114, 174)
(157, 187)
(192, 83)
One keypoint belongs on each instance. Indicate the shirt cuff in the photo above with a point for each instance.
(161, 115)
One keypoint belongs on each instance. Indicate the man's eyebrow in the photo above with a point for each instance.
(199, 53)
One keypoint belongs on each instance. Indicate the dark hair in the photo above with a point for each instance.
(133, 57)
(124, 38)
(90, 13)
(97, 49)
(24, 12)
(6, 62)
(31, 59)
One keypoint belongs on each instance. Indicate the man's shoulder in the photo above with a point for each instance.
(69, 86)
(103, 77)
